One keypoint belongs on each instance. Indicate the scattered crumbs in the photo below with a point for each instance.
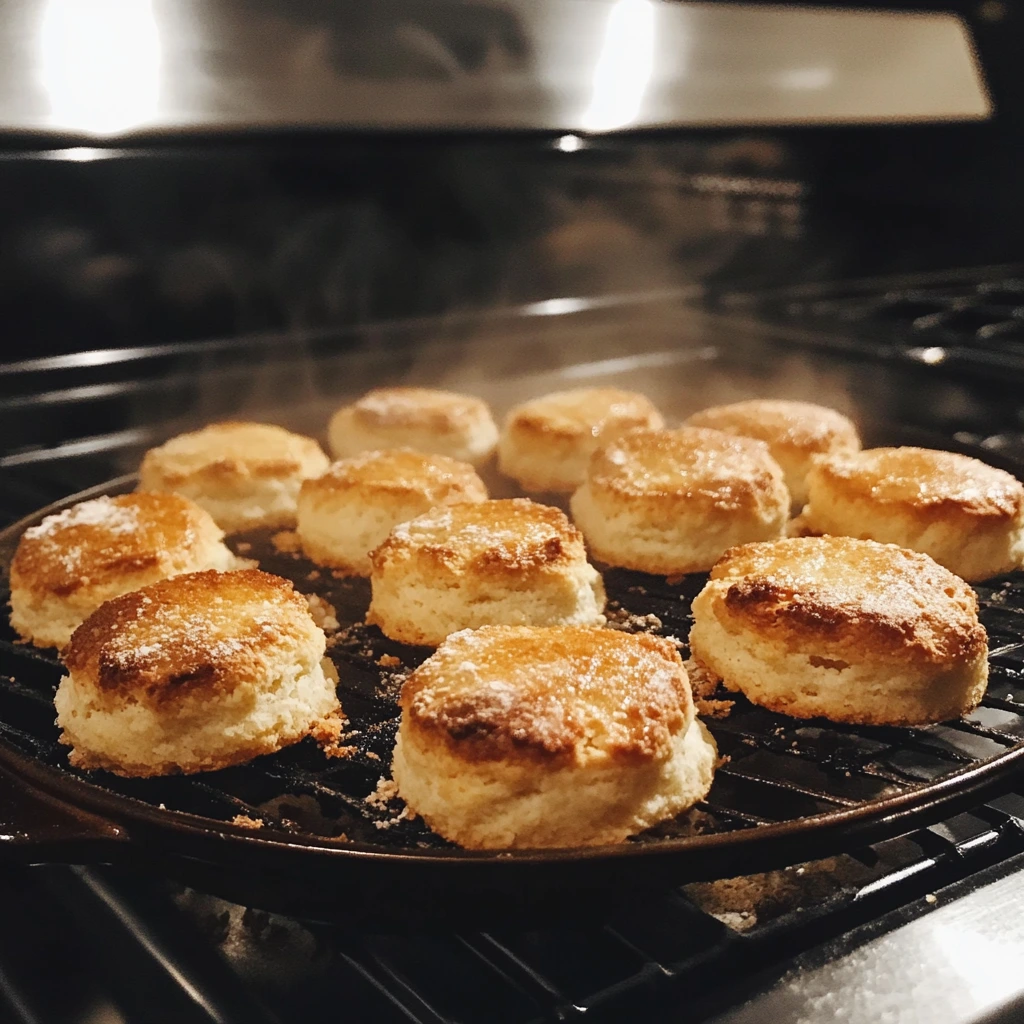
(339, 574)
(323, 613)
(386, 791)
(931, 898)
(329, 733)
(313, 574)
(372, 755)
(244, 547)
(287, 542)
(244, 821)
(722, 761)
(619, 618)
(674, 581)
(388, 661)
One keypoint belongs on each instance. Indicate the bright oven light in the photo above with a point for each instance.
(624, 66)
(100, 64)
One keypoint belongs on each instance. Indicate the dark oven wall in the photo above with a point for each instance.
(208, 239)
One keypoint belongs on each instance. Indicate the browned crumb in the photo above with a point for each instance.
(388, 661)
(329, 733)
(618, 618)
(387, 790)
(287, 542)
(244, 547)
(704, 684)
(372, 755)
(313, 574)
(244, 821)
(674, 581)
(714, 708)
(323, 613)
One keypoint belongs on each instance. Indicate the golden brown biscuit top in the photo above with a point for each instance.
(427, 409)
(584, 412)
(690, 462)
(925, 479)
(874, 596)
(565, 694)
(506, 534)
(203, 630)
(800, 425)
(233, 450)
(103, 540)
(436, 478)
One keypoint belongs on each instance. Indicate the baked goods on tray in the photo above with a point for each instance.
(68, 565)
(850, 630)
(794, 431)
(197, 672)
(350, 510)
(547, 442)
(967, 515)
(442, 422)
(566, 736)
(244, 474)
(672, 501)
(503, 562)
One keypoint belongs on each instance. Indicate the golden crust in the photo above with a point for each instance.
(926, 482)
(863, 599)
(505, 537)
(106, 540)
(584, 412)
(800, 426)
(228, 452)
(204, 631)
(426, 409)
(558, 695)
(699, 466)
(399, 472)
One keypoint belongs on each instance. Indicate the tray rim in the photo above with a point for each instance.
(828, 832)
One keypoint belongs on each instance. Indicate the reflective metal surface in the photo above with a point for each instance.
(957, 964)
(95, 69)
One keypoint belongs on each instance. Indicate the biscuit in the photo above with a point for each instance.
(794, 431)
(550, 737)
(968, 516)
(507, 562)
(441, 422)
(192, 674)
(851, 630)
(350, 510)
(546, 443)
(672, 501)
(68, 565)
(244, 474)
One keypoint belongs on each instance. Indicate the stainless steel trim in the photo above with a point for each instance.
(89, 70)
(959, 963)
